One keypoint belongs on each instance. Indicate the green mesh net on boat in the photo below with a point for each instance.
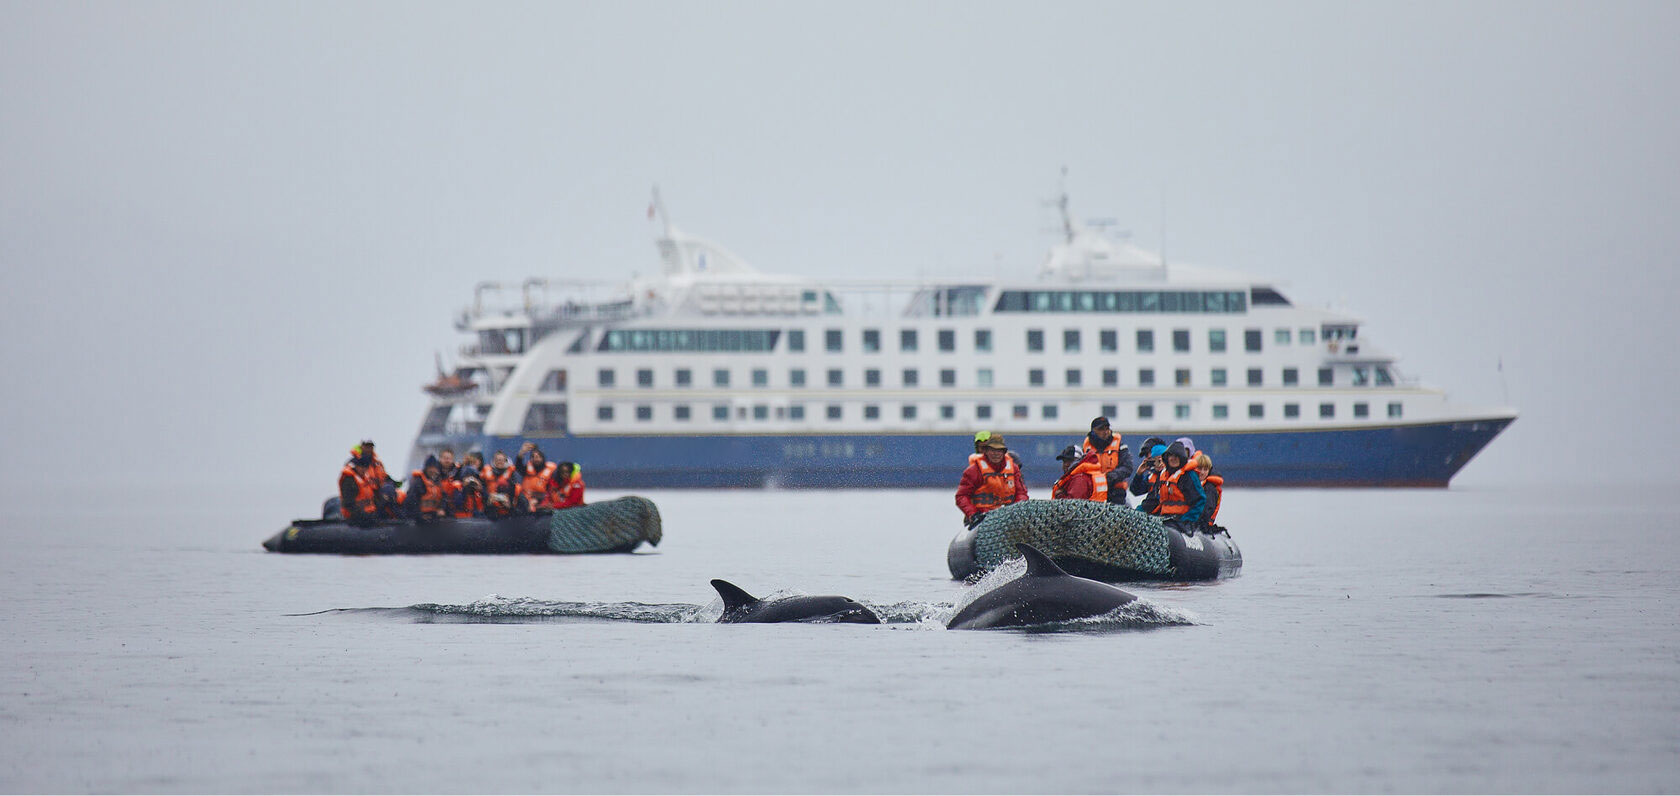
(611, 525)
(1104, 533)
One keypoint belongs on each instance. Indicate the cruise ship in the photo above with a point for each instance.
(715, 374)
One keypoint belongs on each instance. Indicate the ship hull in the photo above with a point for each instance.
(1416, 455)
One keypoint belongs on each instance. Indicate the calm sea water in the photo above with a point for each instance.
(1474, 639)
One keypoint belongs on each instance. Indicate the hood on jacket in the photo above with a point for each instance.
(1177, 449)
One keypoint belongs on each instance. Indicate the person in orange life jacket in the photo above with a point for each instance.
(500, 481)
(1115, 458)
(428, 494)
(1144, 481)
(1214, 484)
(359, 485)
(1082, 476)
(569, 492)
(469, 498)
(536, 477)
(992, 479)
(1183, 500)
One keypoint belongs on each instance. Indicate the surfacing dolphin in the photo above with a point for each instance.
(1044, 595)
(739, 606)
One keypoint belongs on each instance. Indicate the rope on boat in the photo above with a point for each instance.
(1105, 533)
(616, 524)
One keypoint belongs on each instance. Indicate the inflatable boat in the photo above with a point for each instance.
(1103, 541)
(613, 526)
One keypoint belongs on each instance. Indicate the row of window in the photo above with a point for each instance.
(545, 418)
(1362, 376)
(945, 340)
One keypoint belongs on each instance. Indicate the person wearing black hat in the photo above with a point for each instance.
(428, 495)
(1183, 500)
(1114, 457)
(1082, 477)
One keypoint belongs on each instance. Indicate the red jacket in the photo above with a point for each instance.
(988, 484)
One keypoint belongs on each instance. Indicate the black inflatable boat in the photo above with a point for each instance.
(613, 526)
(1095, 540)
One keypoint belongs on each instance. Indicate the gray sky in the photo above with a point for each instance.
(232, 235)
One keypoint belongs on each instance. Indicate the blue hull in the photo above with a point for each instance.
(1425, 455)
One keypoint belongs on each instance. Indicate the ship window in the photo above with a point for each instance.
(680, 412)
(1110, 410)
(871, 341)
(1326, 410)
(1146, 377)
(605, 377)
(1181, 411)
(661, 340)
(1035, 377)
(1035, 339)
(1181, 340)
(796, 377)
(740, 413)
(948, 377)
(947, 412)
(604, 412)
(831, 306)
(1281, 336)
(1221, 411)
(1361, 409)
(644, 377)
(907, 340)
(1146, 411)
(1070, 341)
(1361, 376)
(761, 412)
(872, 377)
(1394, 409)
(1264, 296)
(983, 340)
(796, 411)
(1305, 336)
(834, 377)
(579, 344)
(796, 340)
(871, 412)
(1109, 340)
(720, 411)
(1291, 377)
(833, 411)
(1216, 341)
(1074, 377)
(1256, 377)
(781, 412)
(1145, 341)
(1111, 377)
(761, 377)
(983, 377)
(1385, 378)
(831, 339)
(1019, 411)
(644, 413)
(1326, 377)
(907, 412)
(1251, 339)
(911, 377)
(1181, 377)
(1129, 300)
(555, 381)
(685, 377)
(982, 411)
(1218, 377)
(1291, 411)
(436, 419)
(720, 378)
(947, 340)
(1256, 411)
(545, 417)
(1049, 411)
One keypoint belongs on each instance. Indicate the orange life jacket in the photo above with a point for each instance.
(432, 495)
(1215, 485)
(997, 487)
(537, 483)
(366, 488)
(1099, 481)
(570, 493)
(1173, 502)
(1108, 457)
(495, 485)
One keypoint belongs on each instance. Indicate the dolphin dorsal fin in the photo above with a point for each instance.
(1039, 565)
(733, 596)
